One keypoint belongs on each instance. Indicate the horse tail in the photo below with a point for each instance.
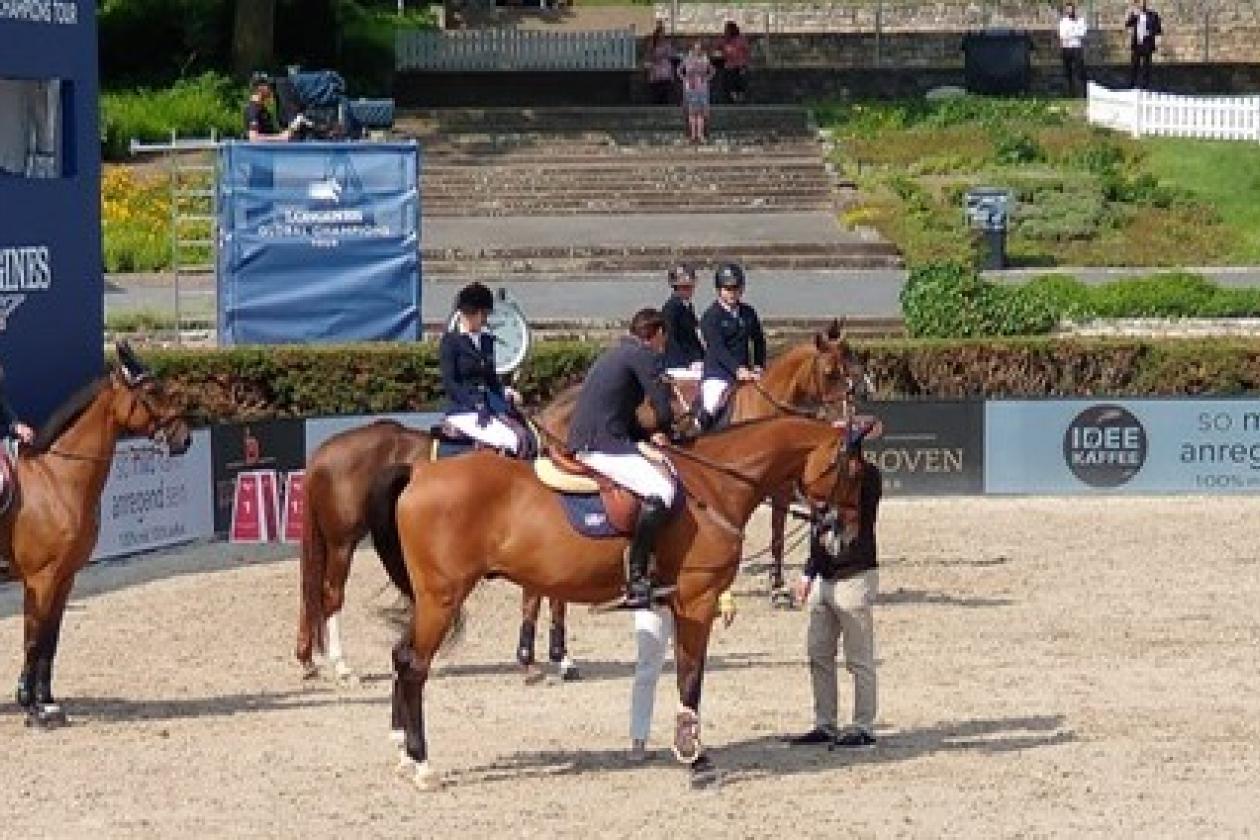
(382, 499)
(313, 564)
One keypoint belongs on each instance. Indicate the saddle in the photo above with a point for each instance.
(449, 441)
(569, 476)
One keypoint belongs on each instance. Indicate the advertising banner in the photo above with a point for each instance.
(152, 500)
(318, 242)
(931, 448)
(278, 445)
(1122, 446)
(51, 288)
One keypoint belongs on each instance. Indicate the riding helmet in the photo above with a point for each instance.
(729, 276)
(681, 274)
(259, 77)
(475, 297)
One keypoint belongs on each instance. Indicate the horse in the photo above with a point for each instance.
(336, 486)
(820, 375)
(52, 527)
(440, 528)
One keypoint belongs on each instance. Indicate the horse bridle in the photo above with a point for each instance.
(158, 429)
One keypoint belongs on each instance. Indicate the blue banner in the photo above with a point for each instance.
(318, 242)
(51, 295)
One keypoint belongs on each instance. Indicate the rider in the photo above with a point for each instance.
(477, 400)
(683, 350)
(601, 436)
(734, 345)
(10, 425)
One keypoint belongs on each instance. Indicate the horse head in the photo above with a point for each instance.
(832, 479)
(142, 405)
(831, 376)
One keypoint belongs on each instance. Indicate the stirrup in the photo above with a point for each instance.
(660, 594)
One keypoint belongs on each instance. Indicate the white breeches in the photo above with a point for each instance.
(653, 633)
(711, 393)
(496, 433)
(633, 472)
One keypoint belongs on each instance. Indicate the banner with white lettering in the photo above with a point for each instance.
(929, 448)
(1123, 446)
(153, 500)
(318, 242)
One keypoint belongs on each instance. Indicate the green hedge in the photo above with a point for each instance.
(252, 383)
(950, 300)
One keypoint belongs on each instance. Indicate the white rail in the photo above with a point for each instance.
(1142, 113)
(513, 49)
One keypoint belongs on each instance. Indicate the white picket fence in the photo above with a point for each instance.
(1142, 113)
(513, 49)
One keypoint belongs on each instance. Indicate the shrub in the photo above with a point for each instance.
(191, 107)
(1061, 294)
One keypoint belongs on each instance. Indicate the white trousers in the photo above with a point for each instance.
(633, 472)
(495, 433)
(711, 393)
(653, 634)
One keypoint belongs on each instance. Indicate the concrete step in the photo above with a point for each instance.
(749, 118)
(626, 171)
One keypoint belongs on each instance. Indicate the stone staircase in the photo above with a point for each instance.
(621, 171)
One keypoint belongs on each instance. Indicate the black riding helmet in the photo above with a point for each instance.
(681, 274)
(475, 297)
(729, 275)
(259, 77)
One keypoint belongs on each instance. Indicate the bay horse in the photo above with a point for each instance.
(338, 479)
(52, 527)
(442, 527)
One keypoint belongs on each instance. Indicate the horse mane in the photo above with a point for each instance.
(68, 412)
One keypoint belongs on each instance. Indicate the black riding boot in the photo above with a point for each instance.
(705, 419)
(652, 515)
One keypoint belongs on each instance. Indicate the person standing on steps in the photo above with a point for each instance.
(1072, 31)
(696, 73)
(1147, 27)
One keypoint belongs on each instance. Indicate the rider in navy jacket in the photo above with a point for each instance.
(10, 425)
(477, 402)
(734, 343)
(682, 347)
(603, 431)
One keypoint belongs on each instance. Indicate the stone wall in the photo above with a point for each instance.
(921, 34)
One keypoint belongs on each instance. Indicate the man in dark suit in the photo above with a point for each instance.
(1146, 27)
(683, 349)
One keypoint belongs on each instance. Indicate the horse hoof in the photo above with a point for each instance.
(46, 716)
(704, 776)
(427, 779)
(686, 747)
(25, 699)
(310, 671)
(534, 675)
(397, 736)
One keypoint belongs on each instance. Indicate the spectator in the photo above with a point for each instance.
(1072, 29)
(260, 124)
(1146, 27)
(736, 54)
(660, 58)
(696, 73)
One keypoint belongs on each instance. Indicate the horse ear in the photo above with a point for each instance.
(835, 330)
(820, 342)
(133, 369)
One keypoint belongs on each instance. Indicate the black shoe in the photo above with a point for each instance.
(813, 736)
(853, 739)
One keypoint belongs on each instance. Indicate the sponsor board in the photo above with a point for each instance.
(278, 445)
(153, 500)
(1122, 446)
(929, 448)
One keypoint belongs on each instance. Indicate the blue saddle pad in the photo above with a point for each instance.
(587, 515)
(448, 448)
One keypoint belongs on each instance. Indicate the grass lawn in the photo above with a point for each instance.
(1084, 196)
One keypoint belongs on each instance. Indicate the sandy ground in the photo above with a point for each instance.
(1048, 668)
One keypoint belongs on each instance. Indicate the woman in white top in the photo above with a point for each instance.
(1072, 30)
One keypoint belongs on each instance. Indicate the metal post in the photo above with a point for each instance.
(174, 176)
(879, 32)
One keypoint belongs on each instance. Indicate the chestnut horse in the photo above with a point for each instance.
(338, 478)
(456, 522)
(51, 529)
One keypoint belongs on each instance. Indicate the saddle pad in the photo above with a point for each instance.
(444, 448)
(587, 515)
(565, 482)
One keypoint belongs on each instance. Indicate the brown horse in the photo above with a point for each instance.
(338, 478)
(456, 522)
(50, 531)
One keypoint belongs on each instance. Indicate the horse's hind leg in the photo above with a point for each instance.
(780, 596)
(335, 576)
(557, 649)
(531, 606)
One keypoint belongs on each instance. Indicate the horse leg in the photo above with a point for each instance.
(44, 711)
(531, 606)
(335, 576)
(412, 660)
(780, 597)
(558, 651)
(691, 642)
(25, 694)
